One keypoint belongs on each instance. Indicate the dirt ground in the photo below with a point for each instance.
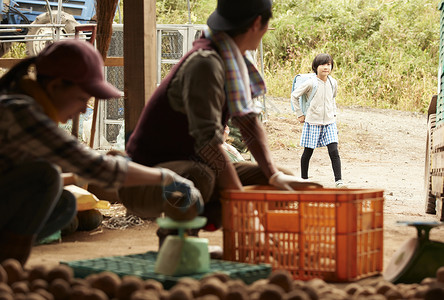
(382, 149)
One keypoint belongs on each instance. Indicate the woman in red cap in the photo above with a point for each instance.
(34, 151)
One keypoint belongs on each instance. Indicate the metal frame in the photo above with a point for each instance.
(31, 38)
(188, 33)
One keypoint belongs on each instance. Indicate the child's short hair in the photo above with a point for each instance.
(322, 59)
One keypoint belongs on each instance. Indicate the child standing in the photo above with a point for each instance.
(319, 118)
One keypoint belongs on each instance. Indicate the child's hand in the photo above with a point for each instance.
(301, 119)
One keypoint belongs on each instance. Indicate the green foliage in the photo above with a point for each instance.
(176, 11)
(385, 51)
(18, 50)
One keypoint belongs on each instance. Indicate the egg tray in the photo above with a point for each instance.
(142, 265)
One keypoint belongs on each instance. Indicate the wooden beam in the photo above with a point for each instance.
(115, 61)
(139, 58)
(8, 63)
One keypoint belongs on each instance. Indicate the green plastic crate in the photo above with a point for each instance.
(55, 237)
(142, 265)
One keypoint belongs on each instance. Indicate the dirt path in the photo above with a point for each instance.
(379, 149)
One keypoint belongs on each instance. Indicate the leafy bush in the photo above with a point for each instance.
(385, 51)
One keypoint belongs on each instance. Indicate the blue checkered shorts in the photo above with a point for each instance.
(314, 136)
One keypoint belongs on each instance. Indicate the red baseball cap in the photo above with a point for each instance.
(79, 62)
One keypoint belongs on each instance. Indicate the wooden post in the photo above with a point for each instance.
(76, 118)
(105, 16)
(139, 58)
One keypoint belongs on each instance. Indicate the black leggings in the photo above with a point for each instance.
(333, 152)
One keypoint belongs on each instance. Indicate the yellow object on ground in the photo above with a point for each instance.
(86, 200)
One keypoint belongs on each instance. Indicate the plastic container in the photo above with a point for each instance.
(332, 234)
(142, 265)
(181, 254)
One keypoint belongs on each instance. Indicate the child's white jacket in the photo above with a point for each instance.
(322, 109)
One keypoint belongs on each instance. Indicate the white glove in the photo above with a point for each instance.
(289, 182)
(181, 195)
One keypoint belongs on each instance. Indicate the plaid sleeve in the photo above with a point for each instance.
(28, 134)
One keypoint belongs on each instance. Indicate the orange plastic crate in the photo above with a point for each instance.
(332, 234)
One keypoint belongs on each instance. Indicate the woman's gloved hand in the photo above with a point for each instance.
(182, 200)
(289, 182)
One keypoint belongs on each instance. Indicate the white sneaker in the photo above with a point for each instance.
(216, 252)
(340, 184)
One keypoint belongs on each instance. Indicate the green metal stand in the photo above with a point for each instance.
(182, 255)
(418, 257)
